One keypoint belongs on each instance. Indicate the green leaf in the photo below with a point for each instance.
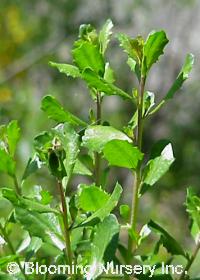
(158, 166)
(144, 233)
(132, 46)
(158, 148)
(193, 208)
(32, 166)
(149, 102)
(81, 169)
(106, 209)
(87, 55)
(33, 247)
(57, 113)
(88, 33)
(46, 197)
(7, 259)
(7, 164)
(100, 84)
(68, 69)
(13, 136)
(96, 137)
(182, 76)
(153, 48)
(56, 164)
(105, 34)
(70, 143)
(43, 141)
(91, 198)
(134, 67)
(172, 246)
(108, 228)
(44, 226)
(4, 276)
(125, 212)
(109, 74)
(121, 153)
(26, 203)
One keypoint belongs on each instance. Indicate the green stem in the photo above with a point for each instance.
(97, 155)
(17, 187)
(66, 223)
(7, 239)
(190, 261)
(137, 179)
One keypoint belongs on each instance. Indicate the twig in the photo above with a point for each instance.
(66, 223)
(137, 180)
(97, 155)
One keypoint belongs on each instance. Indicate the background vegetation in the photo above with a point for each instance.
(34, 32)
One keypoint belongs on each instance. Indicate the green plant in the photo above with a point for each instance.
(79, 227)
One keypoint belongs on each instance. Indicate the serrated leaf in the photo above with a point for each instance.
(121, 153)
(92, 198)
(158, 166)
(56, 112)
(108, 228)
(68, 69)
(96, 137)
(100, 84)
(153, 48)
(167, 240)
(132, 46)
(88, 33)
(7, 164)
(105, 34)
(44, 226)
(87, 55)
(13, 136)
(103, 212)
(182, 76)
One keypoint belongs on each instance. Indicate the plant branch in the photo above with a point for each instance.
(137, 180)
(7, 239)
(97, 155)
(66, 223)
(190, 261)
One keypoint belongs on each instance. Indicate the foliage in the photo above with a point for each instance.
(84, 227)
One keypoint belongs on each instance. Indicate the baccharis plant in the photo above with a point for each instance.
(80, 227)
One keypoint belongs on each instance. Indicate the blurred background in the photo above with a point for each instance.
(34, 32)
